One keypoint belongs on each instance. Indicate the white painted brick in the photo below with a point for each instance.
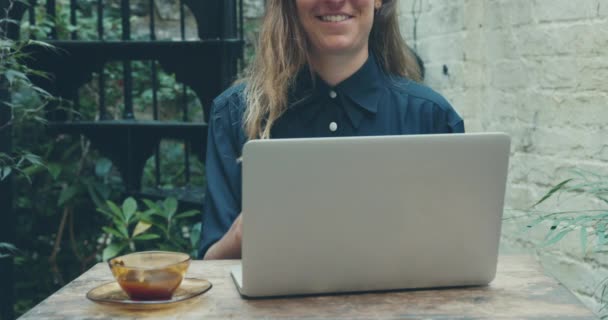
(578, 110)
(556, 73)
(473, 43)
(519, 196)
(593, 74)
(603, 9)
(536, 69)
(441, 49)
(442, 20)
(559, 10)
(575, 275)
(436, 78)
(499, 14)
(511, 75)
(500, 44)
(474, 14)
(565, 142)
(564, 39)
(540, 173)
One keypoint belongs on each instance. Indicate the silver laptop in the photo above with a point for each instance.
(331, 215)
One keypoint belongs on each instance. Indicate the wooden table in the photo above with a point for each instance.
(521, 291)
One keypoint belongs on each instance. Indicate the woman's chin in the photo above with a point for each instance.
(337, 48)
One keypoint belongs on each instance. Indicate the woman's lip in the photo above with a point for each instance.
(348, 17)
(334, 14)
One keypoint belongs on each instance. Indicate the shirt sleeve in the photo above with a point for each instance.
(447, 120)
(223, 192)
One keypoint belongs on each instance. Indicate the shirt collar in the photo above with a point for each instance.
(358, 94)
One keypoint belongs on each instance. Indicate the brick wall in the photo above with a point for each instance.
(538, 70)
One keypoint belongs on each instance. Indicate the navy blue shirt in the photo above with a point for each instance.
(368, 103)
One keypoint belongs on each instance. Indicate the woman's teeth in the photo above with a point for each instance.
(336, 18)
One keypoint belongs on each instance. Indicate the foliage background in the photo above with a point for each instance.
(70, 204)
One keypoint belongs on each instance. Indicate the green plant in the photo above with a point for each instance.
(591, 223)
(7, 250)
(15, 78)
(61, 180)
(158, 227)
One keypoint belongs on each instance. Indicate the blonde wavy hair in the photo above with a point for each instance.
(282, 51)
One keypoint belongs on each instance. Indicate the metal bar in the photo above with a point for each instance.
(186, 143)
(241, 20)
(154, 93)
(125, 14)
(152, 26)
(242, 29)
(74, 34)
(100, 19)
(222, 19)
(52, 13)
(128, 89)
(182, 20)
(125, 10)
(7, 214)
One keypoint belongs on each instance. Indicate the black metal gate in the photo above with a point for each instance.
(206, 66)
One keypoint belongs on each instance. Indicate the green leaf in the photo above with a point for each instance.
(54, 170)
(557, 237)
(115, 210)
(153, 206)
(123, 230)
(170, 206)
(33, 159)
(41, 43)
(148, 236)
(129, 206)
(552, 191)
(66, 195)
(535, 222)
(11, 75)
(103, 167)
(4, 172)
(7, 250)
(113, 232)
(141, 227)
(113, 250)
(187, 214)
(95, 197)
(195, 235)
(105, 212)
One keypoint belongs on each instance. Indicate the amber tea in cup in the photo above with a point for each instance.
(150, 275)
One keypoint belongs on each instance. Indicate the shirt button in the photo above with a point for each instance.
(333, 127)
(333, 94)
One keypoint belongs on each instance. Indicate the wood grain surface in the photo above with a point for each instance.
(520, 291)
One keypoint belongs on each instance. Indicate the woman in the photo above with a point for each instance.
(324, 68)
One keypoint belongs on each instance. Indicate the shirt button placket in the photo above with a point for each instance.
(333, 126)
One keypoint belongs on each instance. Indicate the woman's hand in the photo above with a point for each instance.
(229, 246)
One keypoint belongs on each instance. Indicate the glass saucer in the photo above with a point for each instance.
(111, 294)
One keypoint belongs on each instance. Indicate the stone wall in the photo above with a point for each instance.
(538, 70)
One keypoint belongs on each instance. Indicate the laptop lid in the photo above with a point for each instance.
(371, 213)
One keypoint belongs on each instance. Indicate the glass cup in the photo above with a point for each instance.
(150, 275)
